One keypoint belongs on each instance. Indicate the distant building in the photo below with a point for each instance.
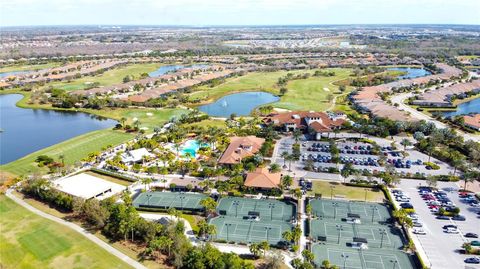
(472, 121)
(135, 156)
(239, 148)
(318, 123)
(261, 178)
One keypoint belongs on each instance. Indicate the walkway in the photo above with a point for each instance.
(79, 229)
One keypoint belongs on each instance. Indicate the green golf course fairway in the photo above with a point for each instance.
(30, 241)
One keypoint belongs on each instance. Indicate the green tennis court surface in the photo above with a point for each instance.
(369, 212)
(267, 209)
(165, 200)
(337, 226)
(361, 259)
(246, 220)
(248, 231)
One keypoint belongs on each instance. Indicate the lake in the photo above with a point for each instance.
(472, 106)
(12, 73)
(240, 104)
(172, 68)
(24, 131)
(412, 72)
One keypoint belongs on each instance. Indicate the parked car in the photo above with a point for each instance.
(451, 231)
(474, 260)
(475, 243)
(406, 205)
(419, 231)
(443, 217)
(449, 226)
(471, 235)
(459, 218)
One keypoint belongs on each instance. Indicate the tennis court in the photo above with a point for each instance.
(361, 259)
(335, 209)
(249, 231)
(267, 209)
(165, 200)
(341, 232)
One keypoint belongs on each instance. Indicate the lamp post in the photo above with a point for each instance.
(394, 263)
(339, 230)
(366, 190)
(271, 206)
(268, 235)
(331, 192)
(335, 205)
(148, 199)
(181, 197)
(236, 203)
(374, 208)
(345, 257)
(228, 232)
(382, 233)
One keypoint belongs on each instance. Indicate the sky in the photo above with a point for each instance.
(237, 12)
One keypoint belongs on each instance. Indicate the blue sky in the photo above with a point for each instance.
(237, 12)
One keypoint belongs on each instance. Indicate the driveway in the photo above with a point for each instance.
(440, 247)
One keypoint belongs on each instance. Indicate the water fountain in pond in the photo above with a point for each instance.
(224, 104)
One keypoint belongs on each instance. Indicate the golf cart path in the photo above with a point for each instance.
(79, 229)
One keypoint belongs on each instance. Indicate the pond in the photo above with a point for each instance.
(172, 68)
(411, 72)
(472, 106)
(24, 131)
(240, 104)
(12, 73)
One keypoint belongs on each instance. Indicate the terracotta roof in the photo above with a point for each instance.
(241, 147)
(262, 178)
(472, 120)
(298, 117)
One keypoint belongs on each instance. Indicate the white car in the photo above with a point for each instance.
(419, 231)
(451, 231)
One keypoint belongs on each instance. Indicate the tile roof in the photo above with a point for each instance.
(241, 147)
(262, 178)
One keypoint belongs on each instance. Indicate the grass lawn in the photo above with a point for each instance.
(257, 81)
(312, 93)
(110, 77)
(208, 123)
(302, 94)
(348, 192)
(29, 241)
(28, 67)
(73, 149)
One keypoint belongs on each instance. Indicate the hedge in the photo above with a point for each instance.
(113, 174)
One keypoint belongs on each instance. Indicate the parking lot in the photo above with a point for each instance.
(361, 155)
(440, 247)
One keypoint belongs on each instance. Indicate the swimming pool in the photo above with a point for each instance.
(191, 146)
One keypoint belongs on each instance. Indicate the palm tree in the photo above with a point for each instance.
(61, 157)
(405, 142)
(470, 176)
(147, 181)
(123, 120)
(255, 249)
(284, 155)
(265, 246)
(165, 244)
(296, 135)
(275, 168)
